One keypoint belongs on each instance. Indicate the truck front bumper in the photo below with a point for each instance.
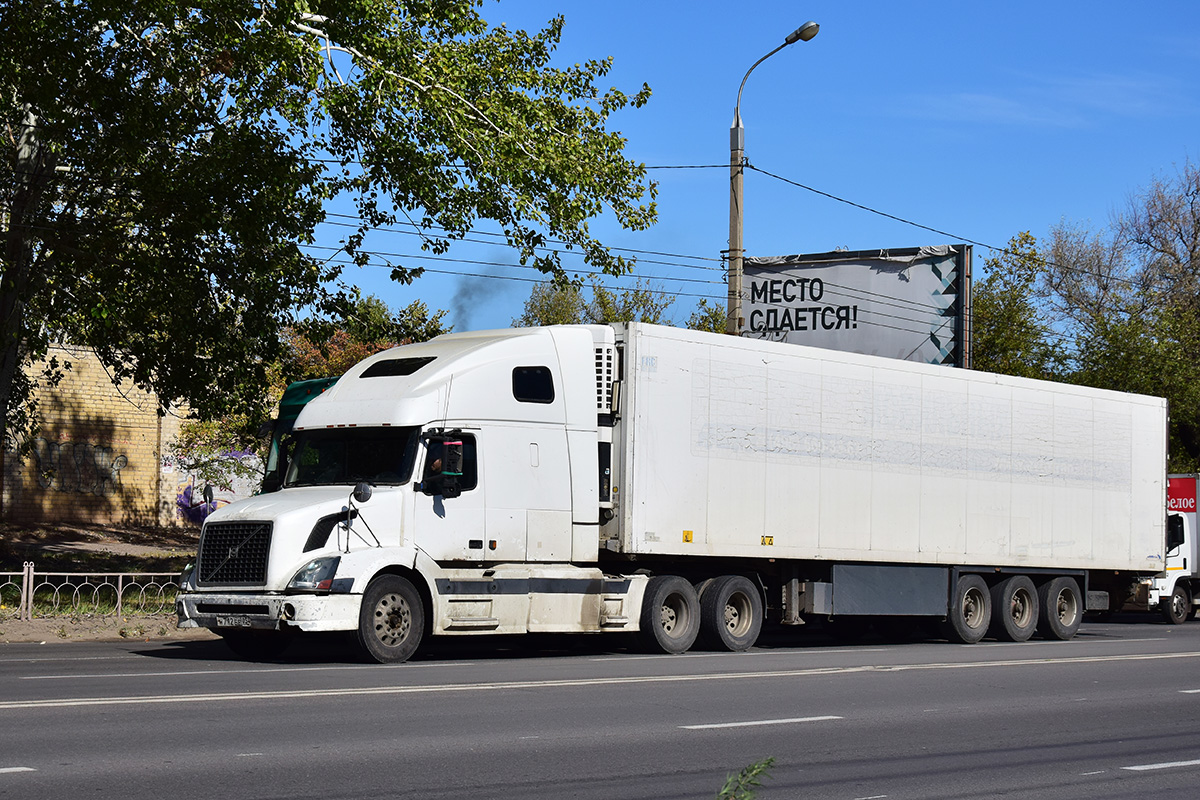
(307, 612)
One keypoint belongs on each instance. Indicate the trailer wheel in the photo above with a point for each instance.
(1177, 608)
(970, 610)
(257, 645)
(670, 619)
(1061, 608)
(1014, 609)
(391, 621)
(731, 613)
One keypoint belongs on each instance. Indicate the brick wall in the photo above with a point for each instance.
(97, 456)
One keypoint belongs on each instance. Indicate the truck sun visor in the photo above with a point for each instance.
(395, 367)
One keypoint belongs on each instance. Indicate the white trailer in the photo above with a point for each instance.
(681, 485)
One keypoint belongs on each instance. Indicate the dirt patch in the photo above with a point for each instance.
(97, 629)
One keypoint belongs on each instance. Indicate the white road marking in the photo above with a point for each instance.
(254, 671)
(1164, 765)
(1078, 640)
(741, 655)
(248, 755)
(872, 797)
(753, 723)
(1189, 691)
(32, 660)
(1096, 772)
(591, 681)
(17, 769)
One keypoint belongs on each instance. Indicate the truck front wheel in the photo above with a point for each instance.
(1061, 609)
(970, 610)
(670, 618)
(1176, 608)
(730, 613)
(391, 622)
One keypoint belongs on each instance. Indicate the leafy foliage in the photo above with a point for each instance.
(1009, 332)
(710, 318)
(166, 164)
(1116, 308)
(564, 304)
(743, 785)
(213, 449)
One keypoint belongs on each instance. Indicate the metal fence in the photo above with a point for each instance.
(31, 594)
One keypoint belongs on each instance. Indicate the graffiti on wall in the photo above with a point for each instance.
(77, 467)
(196, 498)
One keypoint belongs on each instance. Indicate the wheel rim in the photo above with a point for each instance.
(674, 616)
(393, 620)
(1021, 608)
(1067, 608)
(973, 605)
(738, 614)
(1178, 606)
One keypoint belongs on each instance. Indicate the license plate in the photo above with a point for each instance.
(230, 621)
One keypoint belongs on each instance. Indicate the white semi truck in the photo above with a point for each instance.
(682, 486)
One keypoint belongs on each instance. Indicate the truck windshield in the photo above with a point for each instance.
(345, 456)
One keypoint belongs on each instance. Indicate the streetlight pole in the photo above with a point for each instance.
(737, 146)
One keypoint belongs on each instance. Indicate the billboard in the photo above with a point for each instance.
(909, 303)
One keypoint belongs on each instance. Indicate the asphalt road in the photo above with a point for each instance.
(1114, 713)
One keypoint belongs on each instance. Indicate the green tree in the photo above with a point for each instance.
(166, 163)
(564, 304)
(213, 448)
(1127, 298)
(1010, 334)
(710, 318)
(552, 304)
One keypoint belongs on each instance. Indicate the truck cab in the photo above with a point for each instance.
(1176, 592)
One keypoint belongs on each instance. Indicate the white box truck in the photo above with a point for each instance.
(681, 486)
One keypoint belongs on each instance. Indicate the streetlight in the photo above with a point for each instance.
(737, 142)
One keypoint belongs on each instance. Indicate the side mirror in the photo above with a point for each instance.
(208, 493)
(266, 429)
(1174, 531)
(362, 492)
(452, 469)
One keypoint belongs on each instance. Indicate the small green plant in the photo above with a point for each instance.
(742, 785)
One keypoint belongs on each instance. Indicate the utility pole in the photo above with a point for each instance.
(737, 154)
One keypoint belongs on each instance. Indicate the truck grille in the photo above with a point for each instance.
(234, 554)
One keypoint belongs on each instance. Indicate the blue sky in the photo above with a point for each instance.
(978, 119)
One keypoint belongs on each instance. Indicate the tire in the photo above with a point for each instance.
(1177, 607)
(1014, 609)
(391, 622)
(258, 645)
(731, 614)
(1061, 608)
(970, 610)
(670, 618)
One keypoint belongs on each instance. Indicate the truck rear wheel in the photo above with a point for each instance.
(1061, 608)
(1177, 607)
(1014, 609)
(970, 610)
(730, 613)
(391, 621)
(670, 618)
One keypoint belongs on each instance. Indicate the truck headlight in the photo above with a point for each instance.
(185, 577)
(316, 575)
